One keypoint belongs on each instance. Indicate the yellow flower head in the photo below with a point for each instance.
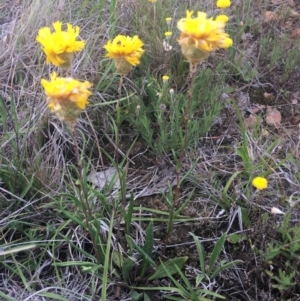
(59, 46)
(223, 3)
(126, 52)
(66, 97)
(222, 18)
(153, 1)
(165, 78)
(227, 43)
(169, 19)
(200, 36)
(168, 34)
(260, 183)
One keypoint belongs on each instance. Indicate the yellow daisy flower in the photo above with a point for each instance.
(260, 183)
(223, 3)
(59, 46)
(222, 18)
(200, 36)
(66, 97)
(126, 52)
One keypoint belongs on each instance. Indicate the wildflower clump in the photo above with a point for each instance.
(260, 183)
(126, 51)
(66, 97)
(200, 36)
(60, 46)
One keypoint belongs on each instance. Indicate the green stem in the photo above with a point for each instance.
(122, 189)
(193, 68)
(82, 192)
(123, 194)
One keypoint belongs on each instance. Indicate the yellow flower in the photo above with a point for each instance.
(260, 183)
(223, 3)
(66, 97)
(227, 43)
(165, 79)
(169, 19)
(200, 36)
(168, 34)
(126, 52)
(59, 46)
(153, 1)
(222, 18)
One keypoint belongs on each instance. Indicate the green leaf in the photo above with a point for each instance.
(199, 279)
(3, 114)
(225, 198)
(117, 258)
(146, 297)
(182, 291)
(225, 266)
(148, 247)
(216, 252)
(7, 297)
(207, 292)
(178, 211)
(135, 296)
(128, 264)
(245, 218)
(201, 252)
(235, 238)
(53, 296)
(170, 265)
(191, 292)
(140, 250)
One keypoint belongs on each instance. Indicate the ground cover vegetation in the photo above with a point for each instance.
(149, 150)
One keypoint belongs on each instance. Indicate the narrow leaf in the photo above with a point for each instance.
(170, 266)
(224, 267)
(141, 251)
(53, 296)
(148, 247)
(216, 252)
(201, 252)
(128, 264)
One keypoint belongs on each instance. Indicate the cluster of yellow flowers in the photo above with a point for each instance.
(67, 96)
